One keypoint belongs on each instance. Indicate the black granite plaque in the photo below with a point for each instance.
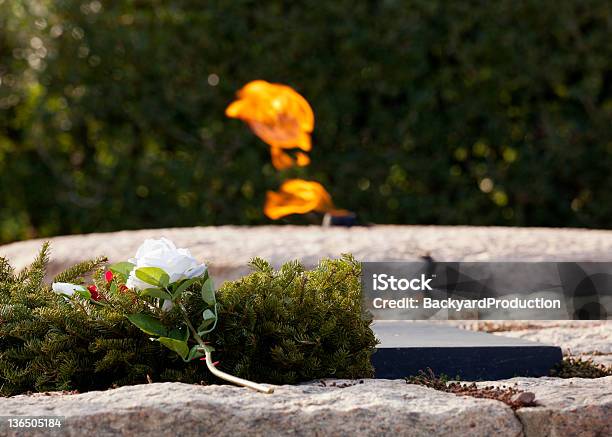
(408, 347)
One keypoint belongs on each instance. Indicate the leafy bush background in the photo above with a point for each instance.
(428, 111)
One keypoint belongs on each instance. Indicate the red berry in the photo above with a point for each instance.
(108, 276)
(93, 291)
(123, 288)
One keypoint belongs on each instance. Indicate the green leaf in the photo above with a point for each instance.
(113, 288)
(123, 268)
(156, 292)
(208, 315)
(148, 324)
(209, 318)
(84, 293)
(208, 292)
(180, 333)
(184, 286)
(195, 352)
(178, 346)
(153, 275)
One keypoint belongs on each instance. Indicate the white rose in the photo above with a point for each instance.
(162, 253)
(66, 288)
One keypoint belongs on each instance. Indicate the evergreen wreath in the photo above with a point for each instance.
(270, 326)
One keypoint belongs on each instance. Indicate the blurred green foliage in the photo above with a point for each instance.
(442, 112)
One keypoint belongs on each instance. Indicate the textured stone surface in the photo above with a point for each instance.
(605, 360)
(375, 407)
(566, 407)
(228, 248)
(573, 339)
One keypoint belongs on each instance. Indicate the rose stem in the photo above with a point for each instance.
(218, 373)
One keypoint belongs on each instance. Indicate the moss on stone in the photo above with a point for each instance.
(576, 367)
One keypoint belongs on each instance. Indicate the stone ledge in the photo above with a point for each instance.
(371, 407)
(594, 339)
(568, 407)
(589, 339)
(229, 248)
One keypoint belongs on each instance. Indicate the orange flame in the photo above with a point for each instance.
(282, 160)
(297, 196)
(279, 116)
